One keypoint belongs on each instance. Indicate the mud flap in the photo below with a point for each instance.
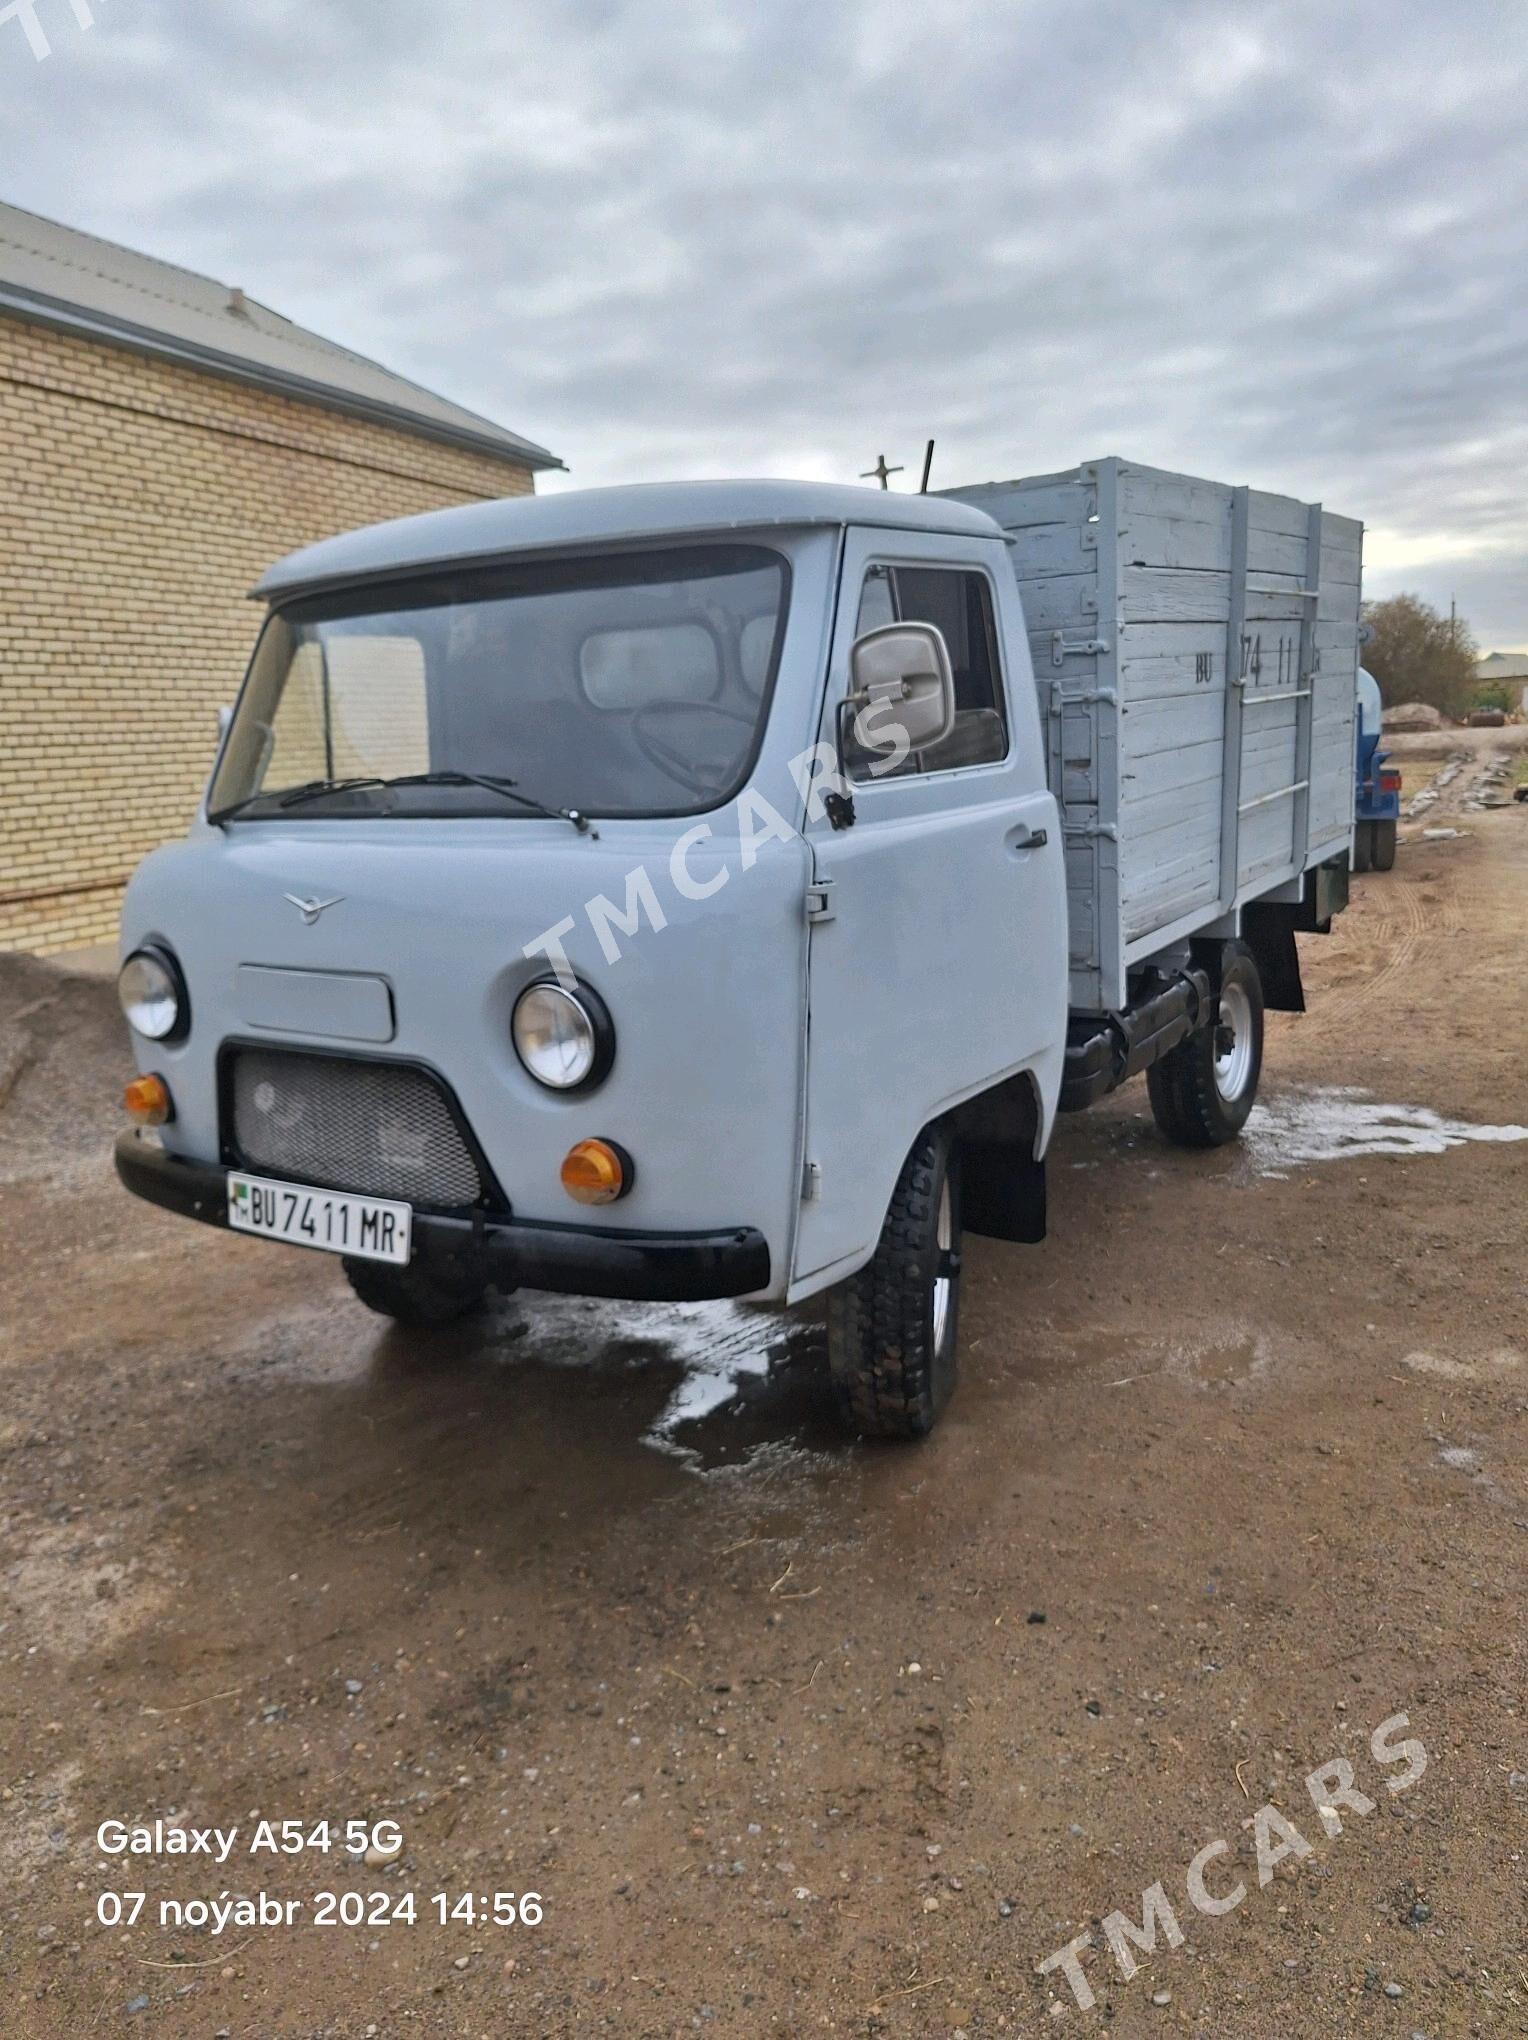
(1002, 1192)
(1269, 932)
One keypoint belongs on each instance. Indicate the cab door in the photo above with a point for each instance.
(938, 939)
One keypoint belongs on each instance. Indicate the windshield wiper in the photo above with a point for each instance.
(311, 789)
(316, 788)
(495, 782)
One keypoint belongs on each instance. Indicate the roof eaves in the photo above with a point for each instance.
(57, 312)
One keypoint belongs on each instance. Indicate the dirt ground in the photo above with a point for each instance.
(791, 1735)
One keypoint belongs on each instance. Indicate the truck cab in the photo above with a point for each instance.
(520, 940)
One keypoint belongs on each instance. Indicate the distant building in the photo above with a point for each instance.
(1505, 669)
(162, 439)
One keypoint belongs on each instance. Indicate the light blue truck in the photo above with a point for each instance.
(716, 890)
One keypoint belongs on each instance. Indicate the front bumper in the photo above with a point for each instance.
(510, 1253)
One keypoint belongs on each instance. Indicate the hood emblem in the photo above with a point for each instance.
(310, 909)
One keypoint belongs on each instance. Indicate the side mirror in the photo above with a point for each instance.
(225, 718)
(901, 685)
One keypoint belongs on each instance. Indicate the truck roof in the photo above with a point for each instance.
(582, 517)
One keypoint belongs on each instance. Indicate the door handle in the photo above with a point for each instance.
(1025, 838)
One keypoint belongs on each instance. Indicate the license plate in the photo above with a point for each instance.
(371, 1228)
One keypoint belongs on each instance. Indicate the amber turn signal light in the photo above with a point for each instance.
(596, 1172)
(147, 1100)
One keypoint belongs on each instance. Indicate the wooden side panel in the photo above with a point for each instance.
(1175, 561)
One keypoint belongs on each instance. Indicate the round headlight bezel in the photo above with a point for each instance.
(592, 1021)
(136, 1009)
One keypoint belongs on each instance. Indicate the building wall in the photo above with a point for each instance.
(139, 502)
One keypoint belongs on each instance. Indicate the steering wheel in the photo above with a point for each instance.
(660, 752)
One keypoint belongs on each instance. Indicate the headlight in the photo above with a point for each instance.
(563, 1037)
(153, 995)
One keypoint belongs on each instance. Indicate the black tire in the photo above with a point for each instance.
(1382, 846)
(1363, 846)
(414, 1295)
(891, 1353)
(1189, 1096)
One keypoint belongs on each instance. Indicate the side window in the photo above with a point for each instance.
(878, 603)
(959, 602)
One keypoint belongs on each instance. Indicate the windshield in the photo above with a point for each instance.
(631, 684)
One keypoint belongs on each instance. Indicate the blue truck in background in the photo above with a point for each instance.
(1377, 796)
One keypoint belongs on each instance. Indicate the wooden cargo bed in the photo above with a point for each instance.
(1183, 797)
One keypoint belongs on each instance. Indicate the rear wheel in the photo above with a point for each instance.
(1202, 1090)
(1382, 846)
(892, 1328)
(1363, 846)
(415, 1295)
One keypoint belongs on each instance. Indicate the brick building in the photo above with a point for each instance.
(162, 439)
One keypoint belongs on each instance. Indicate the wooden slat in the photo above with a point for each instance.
(1060, 602)
(1040, 549)
(1175, 542)
(1169, 721)
(1066, 498)
(1275, 513)
(1154, 596)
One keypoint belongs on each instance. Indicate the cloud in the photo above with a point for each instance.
(1278, 242)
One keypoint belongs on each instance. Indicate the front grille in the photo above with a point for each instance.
(383, 1128)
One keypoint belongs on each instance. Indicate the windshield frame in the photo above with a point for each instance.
(383, 594)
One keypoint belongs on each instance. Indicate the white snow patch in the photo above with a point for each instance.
(719, 1346)
(1504, 1360)
(1439, 1364)
(1338, 1122)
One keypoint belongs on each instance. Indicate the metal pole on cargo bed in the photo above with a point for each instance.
(1305, 700)
(1112, 608)
(1236, 653)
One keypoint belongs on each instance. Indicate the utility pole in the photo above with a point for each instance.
(880, 472)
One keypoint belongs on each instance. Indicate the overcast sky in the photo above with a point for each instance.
(1283, 243)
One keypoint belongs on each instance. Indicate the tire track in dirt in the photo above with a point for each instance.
(1415, 909)
(1412, 921)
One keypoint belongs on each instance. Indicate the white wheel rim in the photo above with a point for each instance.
(1233, 1043)
(944, 1229)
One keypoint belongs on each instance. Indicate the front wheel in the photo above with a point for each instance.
(415, 1295)
(1202, 1090)
(892, 1327)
